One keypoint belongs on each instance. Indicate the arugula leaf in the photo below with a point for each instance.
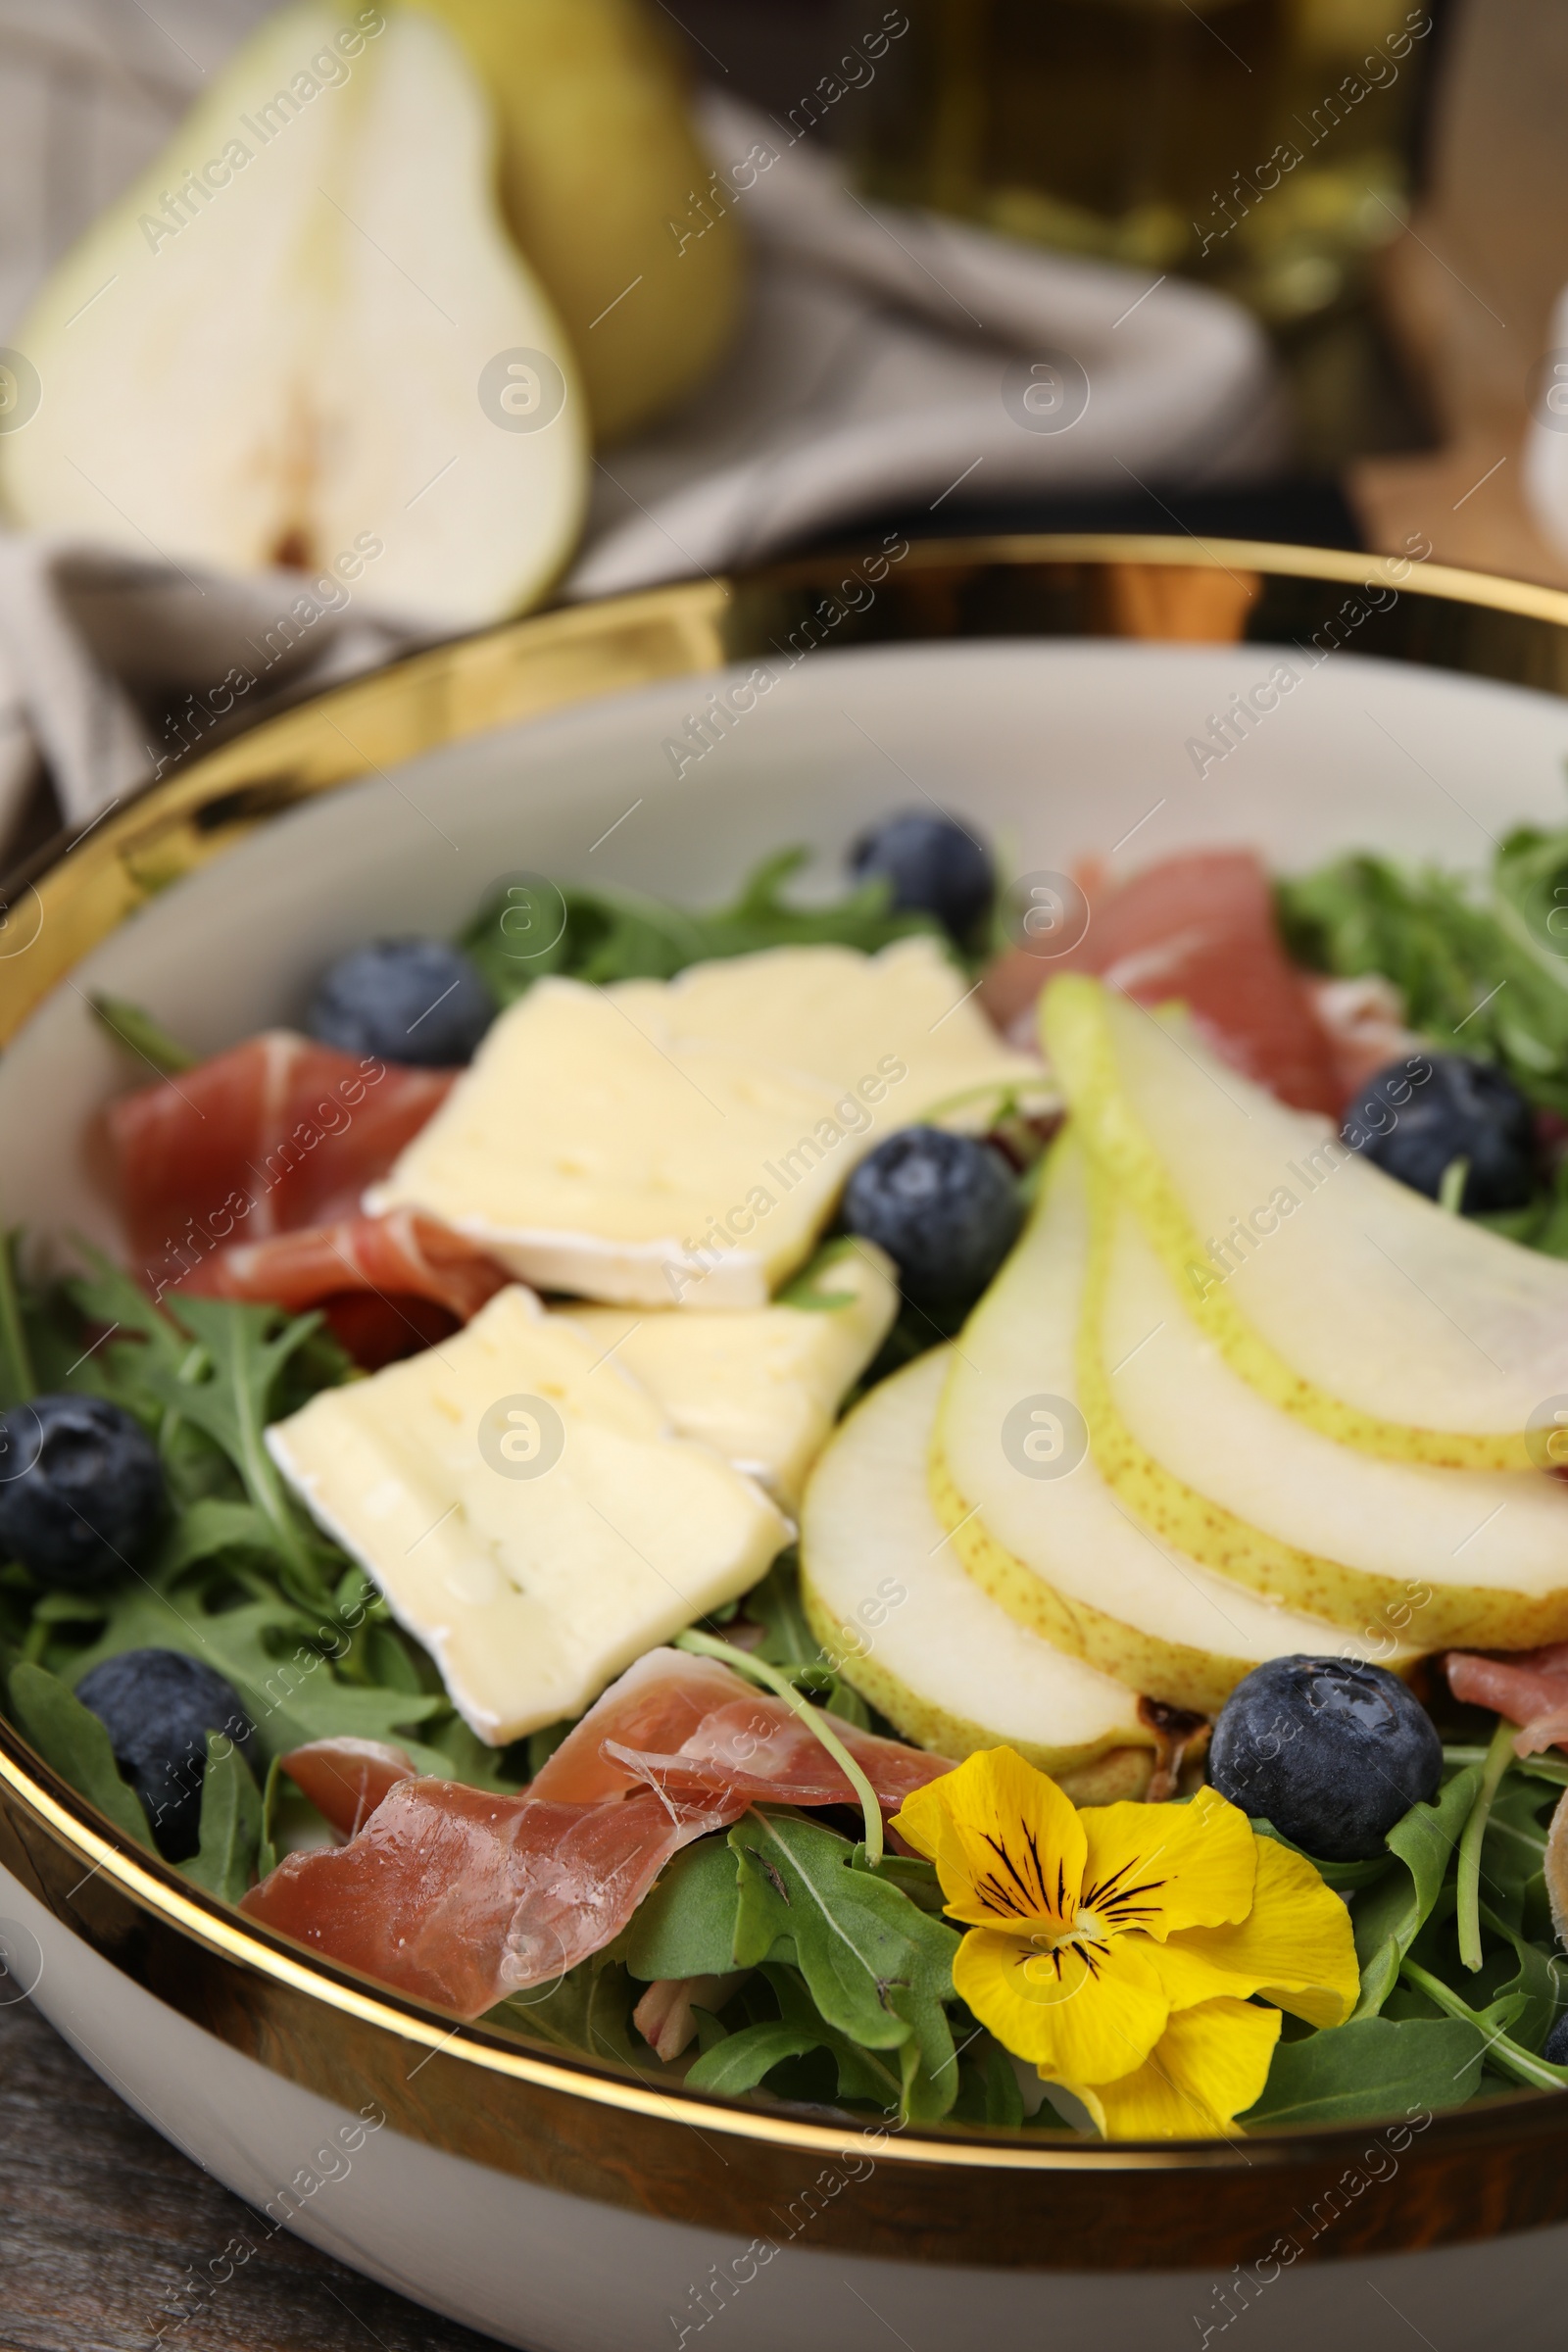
(129, 1026)
(877, 1968)
(73, 1744)
(686, 1926)
(1479, 963)
(608, 934)
(290, 1697)
(245, 1354)
(16, 1378)
(230, 1824)
(989, 2090)
(741, 2060)
(1370, 2067)
(588, 2009)
(1388, 1916)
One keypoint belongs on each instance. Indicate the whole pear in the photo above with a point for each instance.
(599, 168)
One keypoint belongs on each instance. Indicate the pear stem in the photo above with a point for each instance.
(703, 1645)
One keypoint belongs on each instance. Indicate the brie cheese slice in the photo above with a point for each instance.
(760, 1386)
(528, 1511)
(683, 1143)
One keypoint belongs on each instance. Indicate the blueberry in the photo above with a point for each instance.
(158, 1706)
(1329, 1751)
(934, 865)
(943, 1207)
(1556, 2052)
(403, 999)
(81, 1490)
(1416, 1126)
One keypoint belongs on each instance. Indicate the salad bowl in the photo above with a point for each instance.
(1078, 697)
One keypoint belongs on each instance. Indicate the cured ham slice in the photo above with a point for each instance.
(1530, 1688)
(346, 1778)
(694, 1730)
(402, 1254)
(1200, 928)
(241, 1179)
(274, 1135)
(460, 1897)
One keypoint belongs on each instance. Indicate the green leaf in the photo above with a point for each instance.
(1374, 2066)
(230, 1401)
(741, 2060)
(73, 1744)
(225, 1861)
(140, 1035)
(686, 1926)
(588, 2009)
(17, 1381)
(608, 934)
(1388, 1916)
(291, 1697)
(877, 1968)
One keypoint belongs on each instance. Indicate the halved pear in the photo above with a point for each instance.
(919, 1640)
(1061, 1552)
(289, 344)
(1343, 1297)
(761, 1385)
(1456, 1559)
(606, 190)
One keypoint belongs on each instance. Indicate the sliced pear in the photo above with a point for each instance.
(1342, 1297)
(684, 1142)
(762, 1386)
(528, 1511)
(274, 350)
(1060, 1553)
(919, 1637)
(1457, 1558)
(608, 192)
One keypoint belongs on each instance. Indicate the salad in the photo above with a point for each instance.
(865, 1504)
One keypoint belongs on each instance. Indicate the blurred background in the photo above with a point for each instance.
(1277, 268)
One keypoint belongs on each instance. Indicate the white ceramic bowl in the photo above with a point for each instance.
(551, 2204)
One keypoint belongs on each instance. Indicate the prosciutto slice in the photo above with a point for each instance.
(241, 1179)
(346, 1778)
(1200, 926)
(694, 1730)
(460, 1897)
(1530, 1688)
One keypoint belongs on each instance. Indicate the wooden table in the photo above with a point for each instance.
(99, 2218)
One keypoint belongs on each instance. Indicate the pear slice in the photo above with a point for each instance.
(1457, 1558)
(1061, 1553)
(1342, 1297)
(289, 344)
(760, 1386)
(919, 1640)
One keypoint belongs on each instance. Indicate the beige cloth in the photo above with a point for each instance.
(887, 359)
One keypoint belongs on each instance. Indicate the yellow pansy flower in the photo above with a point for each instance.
(1117, 1947)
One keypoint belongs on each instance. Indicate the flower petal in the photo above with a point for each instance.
(1209, 2065)
(1160, 1868)
(1079, 2017)
(1295, 1946)
(1009, 1846)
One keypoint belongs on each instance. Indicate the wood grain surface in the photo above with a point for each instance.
(100, 2218)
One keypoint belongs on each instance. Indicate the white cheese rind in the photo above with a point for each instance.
(683, 1143)
(531, 1593)
(761, 1389)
